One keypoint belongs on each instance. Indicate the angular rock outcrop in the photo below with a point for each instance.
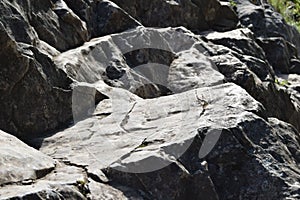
(52, 21)
(35, 95)
(63, 182)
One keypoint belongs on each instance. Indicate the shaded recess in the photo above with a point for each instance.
(143, 61)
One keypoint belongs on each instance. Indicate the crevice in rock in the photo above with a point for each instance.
(125, 119)
(202, 102)
(69, 163)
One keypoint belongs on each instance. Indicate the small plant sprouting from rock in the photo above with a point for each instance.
(142, 145)
(232, 3)
(283, 82)
(82, 185)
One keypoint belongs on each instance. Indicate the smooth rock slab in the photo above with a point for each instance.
(140, 136)
(163, 122)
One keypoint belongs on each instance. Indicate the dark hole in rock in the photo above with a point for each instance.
(148, 55)
(114, 70)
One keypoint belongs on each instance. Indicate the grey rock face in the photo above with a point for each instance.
(260, 135)
(279, 53)
(194, 107)
(258, 17)
(36, 96)
(29, 78)
(63, 182)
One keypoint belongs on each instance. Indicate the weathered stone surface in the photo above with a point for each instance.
(295, 66)
(265, 22)
(18, 162)
(239, 40)
(279, 53)
(249, 68)
(196, 15)
(35, 95)
(264, 168)
(100, 191)
(40, 192)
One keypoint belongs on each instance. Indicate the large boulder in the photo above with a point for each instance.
(265, 22)
(67, 182)
(35, 95)
(146, 61)
(153, 115)
(135, 142)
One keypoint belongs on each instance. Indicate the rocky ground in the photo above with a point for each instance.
(152, 99)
